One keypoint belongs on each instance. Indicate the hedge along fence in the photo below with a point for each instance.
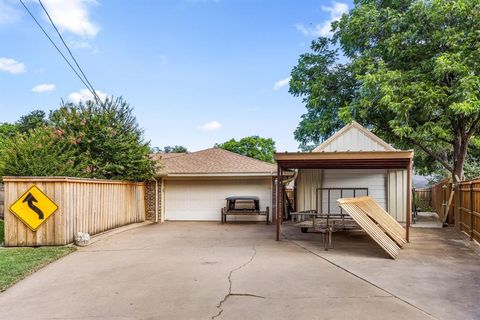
(84, 205)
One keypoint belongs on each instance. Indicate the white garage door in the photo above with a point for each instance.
(203, 199)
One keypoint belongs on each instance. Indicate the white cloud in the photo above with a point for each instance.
(281, 83)
(72, 16)
(44, 87)
(11, 66)
(84, 95)
(210, 126)
(73, 44)
(336, 10)
(300, 27)
(8, 12)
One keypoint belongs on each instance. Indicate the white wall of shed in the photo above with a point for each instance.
(308, 180)
(373, 179)
(397, 194)
(353, 140)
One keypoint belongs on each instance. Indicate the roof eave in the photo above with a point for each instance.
(221, 174)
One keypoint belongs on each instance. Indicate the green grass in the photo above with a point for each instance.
(1, 232)
(17, 263)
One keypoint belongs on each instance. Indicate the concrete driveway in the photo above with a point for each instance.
(200, 271)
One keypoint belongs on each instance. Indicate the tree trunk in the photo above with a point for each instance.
(460, 149)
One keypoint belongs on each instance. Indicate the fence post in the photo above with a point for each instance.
(471, 211)
(444, 202)
(414, 205)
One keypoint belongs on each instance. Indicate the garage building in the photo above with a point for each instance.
(193, 186)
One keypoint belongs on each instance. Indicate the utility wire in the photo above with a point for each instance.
(59, 51)
(70, 52)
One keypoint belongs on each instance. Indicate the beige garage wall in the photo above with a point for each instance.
(202, 200)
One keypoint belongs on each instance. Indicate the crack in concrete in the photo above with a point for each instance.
(230, 284)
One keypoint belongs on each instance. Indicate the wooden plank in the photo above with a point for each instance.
(351, 206)
(21, 228)
(377, 234)
(10, 219)
(384, 219)
(450, 201)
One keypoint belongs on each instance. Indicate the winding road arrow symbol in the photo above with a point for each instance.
(30, 199)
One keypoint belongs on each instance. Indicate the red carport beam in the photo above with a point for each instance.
(409, 193)
(279, 193)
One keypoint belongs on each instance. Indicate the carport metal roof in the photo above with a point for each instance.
(389, 159)
(397, 159)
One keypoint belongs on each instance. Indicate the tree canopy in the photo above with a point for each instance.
(81, 140)
(410, 72)
(170, 149)
(254, 147)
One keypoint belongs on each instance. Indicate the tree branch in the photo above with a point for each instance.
(431, 154)
(425, 149)
(473, 128)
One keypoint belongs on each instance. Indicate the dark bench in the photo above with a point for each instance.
(243, 206)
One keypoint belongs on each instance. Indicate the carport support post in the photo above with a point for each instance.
(409, 204)
(278, 199)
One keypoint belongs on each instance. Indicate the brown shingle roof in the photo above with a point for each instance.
(213, 161)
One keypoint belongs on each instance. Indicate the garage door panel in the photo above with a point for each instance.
(202, 200)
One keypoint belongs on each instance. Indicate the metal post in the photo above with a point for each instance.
(279, 204)
(409, 204)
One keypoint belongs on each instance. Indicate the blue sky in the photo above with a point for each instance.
(196, 72)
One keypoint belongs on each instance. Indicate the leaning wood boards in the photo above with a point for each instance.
(379, 225)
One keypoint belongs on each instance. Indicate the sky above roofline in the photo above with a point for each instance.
(197, 72)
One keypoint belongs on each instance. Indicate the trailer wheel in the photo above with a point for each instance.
(304, 230)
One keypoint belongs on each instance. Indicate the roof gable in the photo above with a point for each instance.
(214, 161)
(353, 137)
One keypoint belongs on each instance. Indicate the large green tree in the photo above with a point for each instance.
(42, 151)
(254, 147)
(33, 120)
(80, 140)
(411, 73)
(170, 149)
(107, 137)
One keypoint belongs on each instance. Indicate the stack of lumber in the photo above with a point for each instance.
(378, 223)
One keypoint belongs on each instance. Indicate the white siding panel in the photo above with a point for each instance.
(397, 194)
(354, 140)
(202, 199)
(308, 181)
(373, 179)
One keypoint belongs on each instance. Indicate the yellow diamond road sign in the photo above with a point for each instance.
(33, 208)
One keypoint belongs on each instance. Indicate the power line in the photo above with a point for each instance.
(59, 51)
(69, 51)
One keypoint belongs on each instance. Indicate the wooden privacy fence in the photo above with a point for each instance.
(423, 198)
(1, 201)
(469, 208)
(442, 200)
(84, 205)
